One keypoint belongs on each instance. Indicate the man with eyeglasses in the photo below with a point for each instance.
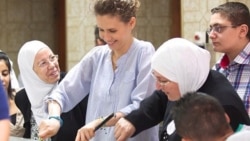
(229, 33)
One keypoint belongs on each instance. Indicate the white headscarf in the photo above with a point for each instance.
(36, 89)
(183, 62)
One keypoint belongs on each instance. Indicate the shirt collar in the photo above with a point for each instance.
(224, 61)
(242, 58)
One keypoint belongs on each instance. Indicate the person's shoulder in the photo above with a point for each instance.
(21, 96)
(216, 75)
(101, 48)
(219, 80)
(246, 50)
(21, 93)
(143, 43)
(217, 83)
(62, 75)
(240, 136)
(22, 100)
(143, 46)
(98, 51)
(214, 72)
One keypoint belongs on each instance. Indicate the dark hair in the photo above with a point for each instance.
(97, 37)
(237, 13)
(3, 56)
(200, 117)
(126, 9)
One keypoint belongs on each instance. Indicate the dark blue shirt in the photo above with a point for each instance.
(4, 108)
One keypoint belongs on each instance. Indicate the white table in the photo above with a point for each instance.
(19, 139)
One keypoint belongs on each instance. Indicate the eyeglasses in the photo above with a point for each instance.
(161, 82)
(218, 28)
(45, 63)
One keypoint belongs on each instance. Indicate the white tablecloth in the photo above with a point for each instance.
(19, 139)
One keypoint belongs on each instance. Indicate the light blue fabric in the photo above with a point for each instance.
(110, 91)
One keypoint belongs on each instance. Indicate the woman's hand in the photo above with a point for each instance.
(123, 130)
(48, 128)
(88, 131)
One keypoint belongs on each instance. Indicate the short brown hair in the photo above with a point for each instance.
(200, 117)
(237, 13)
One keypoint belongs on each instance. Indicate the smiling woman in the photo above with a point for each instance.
(16, 117)
(38, 82)
(40, 73)
(46, 66)
(191, 76)
(117, 75)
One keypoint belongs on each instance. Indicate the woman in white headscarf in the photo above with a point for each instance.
(31, 81)
(40, 73)
(179, 66)
(36, 86)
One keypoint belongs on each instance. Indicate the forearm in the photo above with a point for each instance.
(110, 122)
(51, 126)
(114, 119)
(135, 118)
(54, 109)
(5, 130)
(151, 110)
